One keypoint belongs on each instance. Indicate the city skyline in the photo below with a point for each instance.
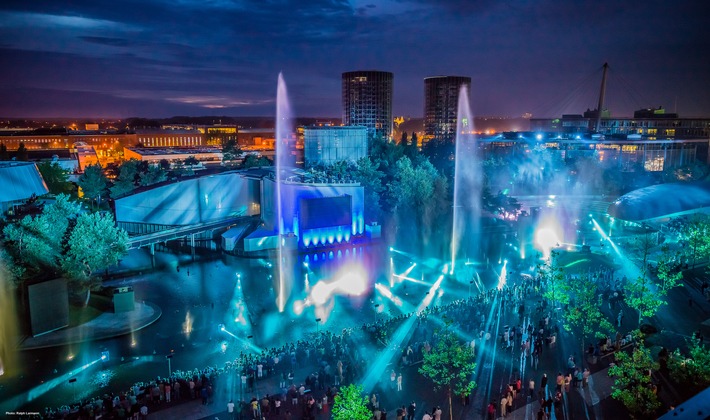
(157, 58)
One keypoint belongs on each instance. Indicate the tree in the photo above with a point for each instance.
(28, 246)
(4, 155)
(632, 383)
(21, 153)
(450, 365)
(93, 183)
(253, 161)
(696, 232)
(95, 243)
(645, 295)
(153, 175)
(230, 152)
(692, 370)
(125, 182)
(36, 243)
(165, 164)
(56, 178)
(555, 287)
(351, 404)
(370, 178)
(584, 312)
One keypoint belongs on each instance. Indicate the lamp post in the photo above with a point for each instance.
(377, 306)
(469, 288)
(317, 325)
(170, 369)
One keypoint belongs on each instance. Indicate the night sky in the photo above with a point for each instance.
(157, 58)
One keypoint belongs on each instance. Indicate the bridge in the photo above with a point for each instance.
(188, 231)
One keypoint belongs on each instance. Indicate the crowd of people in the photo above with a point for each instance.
(332, 360)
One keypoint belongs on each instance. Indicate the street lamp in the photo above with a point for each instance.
(317, 324)
(170, 369)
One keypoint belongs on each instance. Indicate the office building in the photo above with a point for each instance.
(441, 98)
(367, 101)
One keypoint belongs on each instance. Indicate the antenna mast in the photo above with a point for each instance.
(602, 93)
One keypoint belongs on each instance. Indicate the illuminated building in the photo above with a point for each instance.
(646, 123)
(320, 215)
(625, 154)
(441, 98)
(328, 145)
(205, 155)
(367, 101)
(18, 182)
(219, 135)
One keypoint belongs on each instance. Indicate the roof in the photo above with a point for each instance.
(661, 200)
(694, 408)
(19, 181)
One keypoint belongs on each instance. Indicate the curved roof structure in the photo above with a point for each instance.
(661, 200)
(19, 181)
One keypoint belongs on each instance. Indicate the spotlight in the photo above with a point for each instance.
(391, 249)
(221, 327)
(104, 356)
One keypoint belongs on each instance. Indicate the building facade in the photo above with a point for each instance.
(651, 124)
(367, 101)
(441, 98)
(328, 145)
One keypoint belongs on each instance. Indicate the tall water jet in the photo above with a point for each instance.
(284, 160)
(8, 325)
(468, 181)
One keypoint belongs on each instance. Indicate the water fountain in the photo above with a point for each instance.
(468, 182)
(284, 160)
(8, 324)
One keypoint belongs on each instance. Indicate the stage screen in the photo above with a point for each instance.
(325, 212)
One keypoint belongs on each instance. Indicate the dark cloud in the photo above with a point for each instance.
(194, 56)
(103, 40)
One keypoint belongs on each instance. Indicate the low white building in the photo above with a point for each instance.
(328, 145)
(18, 182)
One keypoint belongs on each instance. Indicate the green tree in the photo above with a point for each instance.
(125, 182)
(93, 183)
(632, 382)
(351, 404)
(56, 178)
(253, 161)
(153, 175)
(95, 243)
(36, 243)
(27, 244)
(696, 232)
(370, 178)
(584, 314)
(231, 153)
(21, 153)
(555, 287)
(645, 294)
(692, 370)
(121, 188)
(450, 365)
